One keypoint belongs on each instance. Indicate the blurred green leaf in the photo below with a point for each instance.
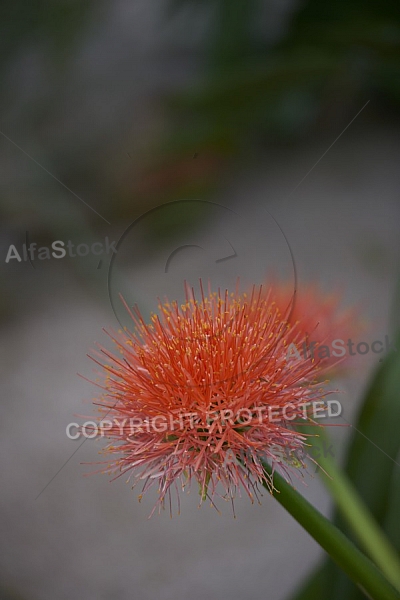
(372, 453)
(392, 519)
(315, 586)
(372, 467)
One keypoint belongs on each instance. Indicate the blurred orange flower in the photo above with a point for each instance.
(321, 326)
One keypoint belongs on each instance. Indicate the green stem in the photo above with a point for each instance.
(349, 558)
(357, 515)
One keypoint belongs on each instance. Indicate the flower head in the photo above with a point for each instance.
(204, 392)
(319, 322)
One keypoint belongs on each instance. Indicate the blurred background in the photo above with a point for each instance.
(271, 129)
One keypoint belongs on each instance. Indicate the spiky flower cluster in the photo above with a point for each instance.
(319, 320)
(222, 355)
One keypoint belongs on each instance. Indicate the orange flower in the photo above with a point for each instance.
(204, 392)
(322, 327)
